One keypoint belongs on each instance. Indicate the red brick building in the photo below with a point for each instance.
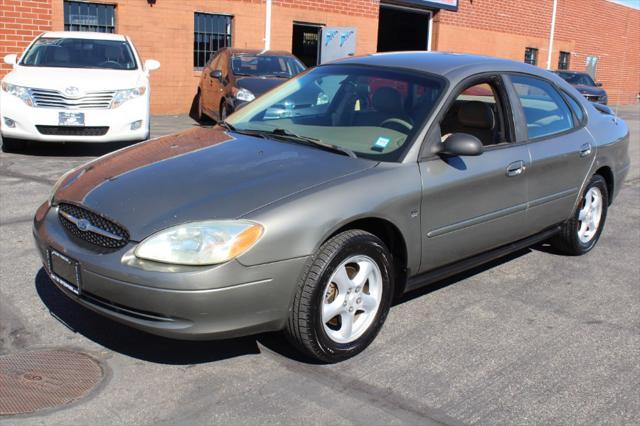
(598, 35)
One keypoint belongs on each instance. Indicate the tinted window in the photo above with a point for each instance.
(544, 108)
(265, 65)
(372, 111)
(80, 53)
(577, 109)
(577, 78)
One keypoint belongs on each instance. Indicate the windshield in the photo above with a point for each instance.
(577, 78)
(374, 112)
(264, 65)
(80, 53)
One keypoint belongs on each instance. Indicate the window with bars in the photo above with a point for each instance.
(210, 33)
(531, 56)
(83, 16)
(563, 60)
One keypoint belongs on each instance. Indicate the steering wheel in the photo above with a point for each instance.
(110, 62)
(399, 121)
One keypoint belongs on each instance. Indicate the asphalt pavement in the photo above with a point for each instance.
(534, 338)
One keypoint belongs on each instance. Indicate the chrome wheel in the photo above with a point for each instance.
(351, 299)
(590, 215)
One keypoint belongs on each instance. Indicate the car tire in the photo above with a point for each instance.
(224, 111)
(580, 234)
(351, 275)
(12, 145)
(200, 114)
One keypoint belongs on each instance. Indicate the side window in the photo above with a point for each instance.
(544, 108)
(577, 109)
(476, 111)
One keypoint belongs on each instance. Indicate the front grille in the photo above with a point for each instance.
(96, 220)
(73, 130)
(46, 98)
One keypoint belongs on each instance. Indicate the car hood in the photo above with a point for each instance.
(259, 85)
(199, 174)
(589, 90)
(84, 79)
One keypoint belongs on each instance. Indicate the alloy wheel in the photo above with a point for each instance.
(590, 215)
(351, 299)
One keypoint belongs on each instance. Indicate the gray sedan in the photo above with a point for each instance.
(316, 205)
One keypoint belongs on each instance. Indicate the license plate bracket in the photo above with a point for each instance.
(64, 271)
(71, 119)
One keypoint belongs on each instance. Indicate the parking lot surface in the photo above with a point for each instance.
(534, 338)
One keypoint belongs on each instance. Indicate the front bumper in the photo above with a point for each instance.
(219, 301)
(118, 120)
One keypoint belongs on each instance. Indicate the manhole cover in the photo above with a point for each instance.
(31, 381)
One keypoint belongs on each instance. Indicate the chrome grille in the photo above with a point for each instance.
(95, 237)
(46, 98)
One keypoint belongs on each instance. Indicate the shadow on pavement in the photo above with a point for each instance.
(69, 149)
(134, 343)
(141, 345)
(460, 276)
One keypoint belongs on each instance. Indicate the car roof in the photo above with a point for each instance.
(84, 35)
(444, 63)
(236, 51)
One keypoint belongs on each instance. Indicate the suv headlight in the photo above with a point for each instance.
(23, 93)
(201, 243)
(244, 95)
(122, 96)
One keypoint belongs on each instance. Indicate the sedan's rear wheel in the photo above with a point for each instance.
(581, 233)
(343, 297)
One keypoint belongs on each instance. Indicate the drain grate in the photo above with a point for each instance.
(32, 381)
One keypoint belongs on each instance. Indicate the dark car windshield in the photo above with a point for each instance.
(266, 65)
(79, 53)
(576, 78)
(374, 112)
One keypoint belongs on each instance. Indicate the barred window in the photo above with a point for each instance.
(210, 33)
(531, 56)
(563, 60)
(82, 16)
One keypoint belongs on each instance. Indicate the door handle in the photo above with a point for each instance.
(516, 168)
(585, 150)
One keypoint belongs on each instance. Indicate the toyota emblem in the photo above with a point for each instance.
(72, 91)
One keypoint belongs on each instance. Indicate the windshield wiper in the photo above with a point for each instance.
(285, 134)
(231, 128)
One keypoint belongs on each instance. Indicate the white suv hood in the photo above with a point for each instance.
(84, 79)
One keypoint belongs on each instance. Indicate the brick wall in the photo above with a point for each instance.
(20, 22)
(587, 27)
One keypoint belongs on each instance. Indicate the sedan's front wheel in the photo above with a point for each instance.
(343, 297)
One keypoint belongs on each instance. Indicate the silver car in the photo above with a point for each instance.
(311, 209)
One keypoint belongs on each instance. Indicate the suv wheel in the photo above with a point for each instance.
(343, 297)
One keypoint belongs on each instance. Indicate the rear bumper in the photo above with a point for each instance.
(118, 121)
(193, 303)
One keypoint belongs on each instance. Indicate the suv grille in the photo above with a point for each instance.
(47, 98)
(99, 226)
(73, 130)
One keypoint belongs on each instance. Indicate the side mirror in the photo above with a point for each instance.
(217, 74)
(11, 59)
(599, 84)
(151, 65)
(460, 144)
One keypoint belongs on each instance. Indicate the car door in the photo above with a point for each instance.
(218, 84)
(562, 150)
(471, 204)
(207, 86)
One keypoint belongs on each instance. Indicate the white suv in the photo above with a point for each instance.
(76, 86)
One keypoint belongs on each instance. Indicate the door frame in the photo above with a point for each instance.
(413, 10)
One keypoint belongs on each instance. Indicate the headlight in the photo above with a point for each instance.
(122, 96)
(201, 243)
(244, 95)
(23, 93)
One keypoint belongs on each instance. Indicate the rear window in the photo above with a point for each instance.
(266, 65)
(80, 53)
